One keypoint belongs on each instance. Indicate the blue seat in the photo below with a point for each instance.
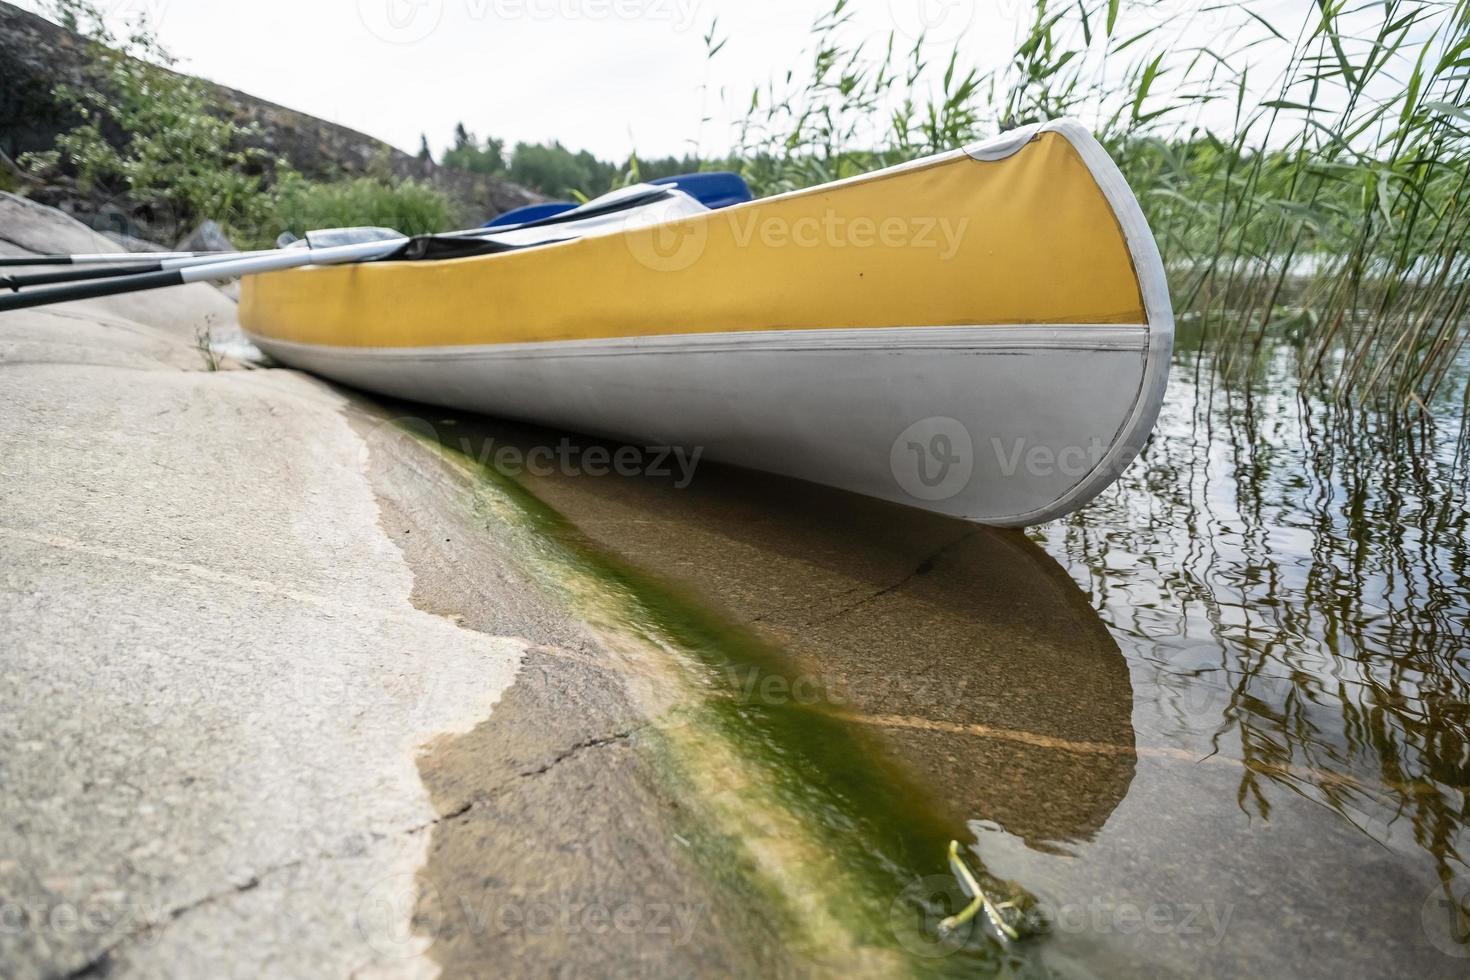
(717, 189)
(531, 212)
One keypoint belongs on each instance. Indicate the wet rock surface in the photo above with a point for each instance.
(214, 685)
(273, 701)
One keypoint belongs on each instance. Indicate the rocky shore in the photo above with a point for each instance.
(297, 687)
(223, 668)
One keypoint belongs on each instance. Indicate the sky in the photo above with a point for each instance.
(610, 76)
(606, 75)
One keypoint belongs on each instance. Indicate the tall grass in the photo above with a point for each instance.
(1306, 181)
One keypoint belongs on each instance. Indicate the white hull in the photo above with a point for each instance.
(1051, 414)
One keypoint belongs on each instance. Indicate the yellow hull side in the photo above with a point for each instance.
(1026, 239)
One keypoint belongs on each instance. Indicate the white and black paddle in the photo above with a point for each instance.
(249, 263)
(98, 258)
(108, 270)
(327, 247)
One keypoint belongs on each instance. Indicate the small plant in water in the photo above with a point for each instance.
(204, 344)
(1010, 919)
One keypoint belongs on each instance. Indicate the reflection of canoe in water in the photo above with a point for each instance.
(966, 662)
(968, 658)
(983, 333)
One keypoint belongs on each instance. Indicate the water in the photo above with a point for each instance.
(1215, 722)
(1290, 585)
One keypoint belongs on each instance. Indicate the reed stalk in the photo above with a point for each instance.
(1307, 182)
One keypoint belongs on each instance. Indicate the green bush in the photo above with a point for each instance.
(409, 206)
(180, 156)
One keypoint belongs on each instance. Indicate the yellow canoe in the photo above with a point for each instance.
(985, 333)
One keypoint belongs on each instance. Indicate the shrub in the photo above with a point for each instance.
(155, 136)
(409, 206)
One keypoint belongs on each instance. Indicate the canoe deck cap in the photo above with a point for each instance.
(1005, 144)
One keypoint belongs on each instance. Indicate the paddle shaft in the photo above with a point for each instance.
(16, 283)
(207, 266)
(274, 261)
(99, 258)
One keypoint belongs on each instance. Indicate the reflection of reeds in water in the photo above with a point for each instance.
(1319, 558)
(1304, 171)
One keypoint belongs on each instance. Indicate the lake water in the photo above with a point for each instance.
(1290, 586)
(1214, 723)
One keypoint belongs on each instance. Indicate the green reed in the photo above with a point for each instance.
(1306, 181)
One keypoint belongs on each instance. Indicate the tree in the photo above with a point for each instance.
(468, 154)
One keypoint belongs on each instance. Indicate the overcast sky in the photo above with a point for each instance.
(607, 75)
(611, 76)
